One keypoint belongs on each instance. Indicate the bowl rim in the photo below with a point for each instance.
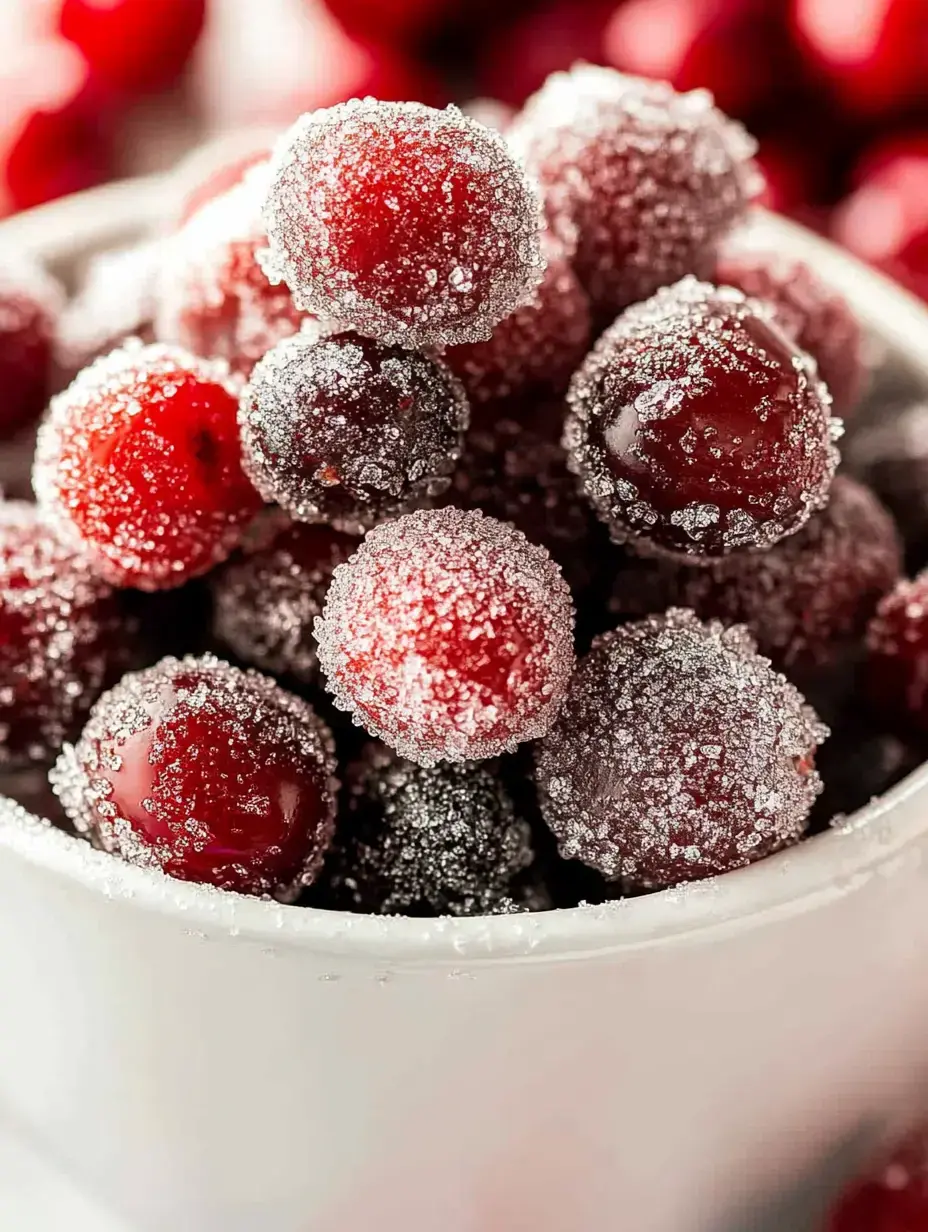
(791, 882)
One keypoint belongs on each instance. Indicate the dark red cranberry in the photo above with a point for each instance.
(893, 1199)
(207, 772)
(391, 20)
(897, 641)
(30, 302)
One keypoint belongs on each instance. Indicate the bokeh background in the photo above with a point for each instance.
(836, 91)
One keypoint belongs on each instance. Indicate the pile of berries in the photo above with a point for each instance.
(426, 411)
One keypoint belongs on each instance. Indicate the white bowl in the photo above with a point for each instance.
(712, 1059)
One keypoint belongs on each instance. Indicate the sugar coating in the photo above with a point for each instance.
(415, 840)
(803, 600)
(61, 636)
(678, 754)
(651, 178)
(139, 462)
(267, 599)
(207, 772)
(412, 225)
(31, 301)
(342, 429)
(536, 348)
(115, 301)
(449, 636)
(213, 296)
(696, 427)
(813, 315)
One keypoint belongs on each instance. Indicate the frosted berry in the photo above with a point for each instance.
(30, 302)
(893, 1199)
(342, 429)
(813, 316)
(652, 179)
(267, 599)
(897, 641)
(139, 461)
(423, 841)
(679, 753)
(213, 296)
(891, 455)
(805, 600)
(696, 427)
(412, 225)
(218, 165)
(537, 348)
(61, 636)
(449, 636)
(134, 46)
(210, 773)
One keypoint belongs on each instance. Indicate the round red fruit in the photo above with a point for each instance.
(897, 641)
(30, 303)
(893, 1199)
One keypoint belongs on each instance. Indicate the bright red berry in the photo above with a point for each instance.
(30, 303)
(679, 753)
(412, 225)
(449, 636)
(696, 427)
(140, 461)
(210, 773)
(894, 1199)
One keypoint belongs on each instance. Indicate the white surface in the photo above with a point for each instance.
(34, 1199)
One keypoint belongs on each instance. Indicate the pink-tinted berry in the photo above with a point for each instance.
(652, 179)
(412, 225)
(210, 773)
(449, 636)
(30, 303)
(139, 461)
(679, 753)
(697, 427)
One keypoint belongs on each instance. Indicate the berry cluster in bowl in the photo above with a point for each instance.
(434, 520)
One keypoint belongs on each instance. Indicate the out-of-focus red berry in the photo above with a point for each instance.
(391, 20)
(872, 53)
(894, 1199)
(791, 172)
(885, 221)
(135, 46)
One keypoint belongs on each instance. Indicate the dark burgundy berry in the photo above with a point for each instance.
(30, 303)
(894, 1198)
(897, 642)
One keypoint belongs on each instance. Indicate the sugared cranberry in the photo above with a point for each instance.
(804, 600)
(210, 773)
(346, 430)
(415, 840)
(267, 600)
(517, 472)
(115, 301)
(140, 460)
(897, 641)
(30, 301)
(61, 636)
(872, 54)
(537, 348)
(213, 297)
(134, 46)
(816, 318)
(449, 636)
(412, 225)
(893, 1199)
(679, 753)
(696, 426)
(891, 456)
(652, 179)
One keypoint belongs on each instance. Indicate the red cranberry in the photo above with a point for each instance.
(696, 427)
(343, 429)
(61, 636)
(140, 460)
(816, 318)
(412, 225)
(679, 753)
(872, 54)
(267, 600)
(390, 20)
(537, 348)
(424, 841)
(651, 179)
(448, 635)
(210, 773)
(894, 1199)
(134, 45)
(897, 641)
(804, 600)
(213, 297)
(30, 302)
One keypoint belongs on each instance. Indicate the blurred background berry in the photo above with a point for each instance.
(836, 91)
